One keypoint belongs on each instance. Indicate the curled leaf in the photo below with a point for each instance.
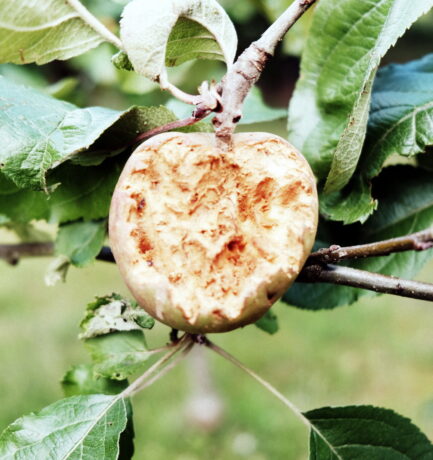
(160, 34)
(43, 31)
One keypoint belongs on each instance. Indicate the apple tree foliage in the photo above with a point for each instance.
(60, 160)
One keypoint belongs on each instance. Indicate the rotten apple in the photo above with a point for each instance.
(207, 240)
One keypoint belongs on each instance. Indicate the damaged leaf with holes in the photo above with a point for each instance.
(113, 333)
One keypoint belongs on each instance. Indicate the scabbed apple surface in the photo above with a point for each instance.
(206, 240)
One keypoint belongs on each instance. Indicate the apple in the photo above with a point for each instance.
(207, 240)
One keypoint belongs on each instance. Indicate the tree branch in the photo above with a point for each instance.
(12, 253)
(247, 69)
(418, 241)
(363, 279)
(316, 270)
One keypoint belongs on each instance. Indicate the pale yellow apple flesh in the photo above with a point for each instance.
(206, 240)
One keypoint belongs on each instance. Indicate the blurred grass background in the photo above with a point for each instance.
(378, 351)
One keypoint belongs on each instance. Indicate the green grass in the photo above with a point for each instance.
(379, 351)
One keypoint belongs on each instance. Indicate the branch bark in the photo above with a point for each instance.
(376, 282)
(418, 241)
(12, 253)
(244, 73)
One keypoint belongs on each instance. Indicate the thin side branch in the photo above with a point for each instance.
(157, 369)
(12, 253)
(268, 386)
(94, 23)
(363, 279)
(419, 241)
(176, 92)
(207, 99)
(168, 367)
(244, 73)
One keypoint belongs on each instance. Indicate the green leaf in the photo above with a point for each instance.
(112, 331)
(190, 40)
(256, 111)
(402, 210)
(24, 75)
(81, 427)
(119, 354)
(40, 132)
(400, 122)
(268, 322)
(337, 65)
(113, 313)
(43, 31)
(121, 61)
(357, 205)
(349, 147)
(365, 433)
(83, 193)
(81, 242)
(159, 34)
(81, 380)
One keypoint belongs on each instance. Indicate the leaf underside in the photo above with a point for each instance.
(157, 34)
(42, 31)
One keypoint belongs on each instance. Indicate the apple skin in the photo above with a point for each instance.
(205, 240)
